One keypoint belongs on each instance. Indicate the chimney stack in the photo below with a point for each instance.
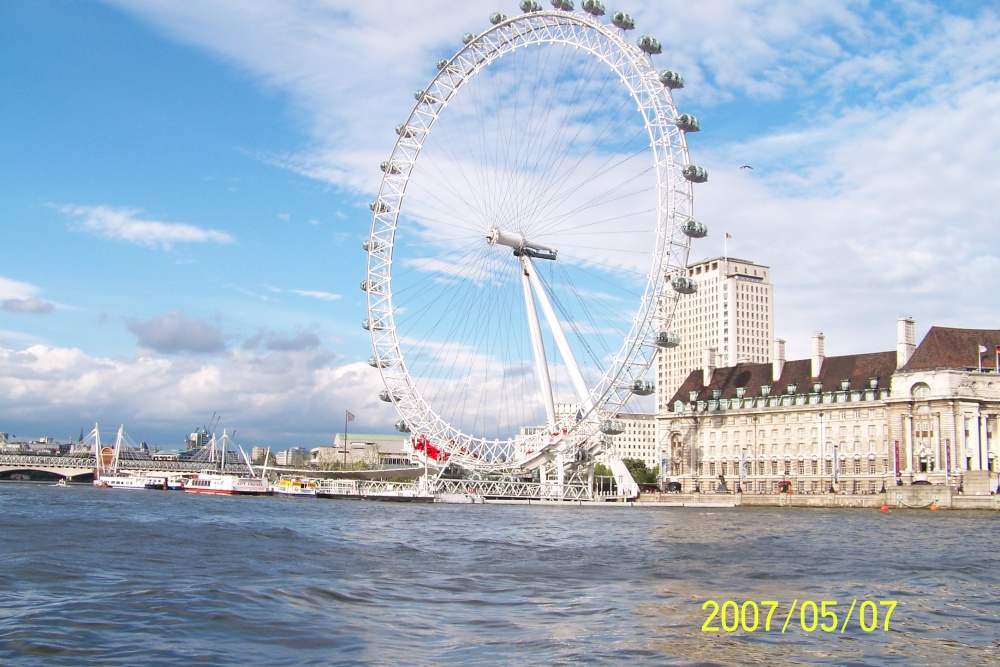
(778, 365)
(708, 366)
(819, 353)
(905, 341)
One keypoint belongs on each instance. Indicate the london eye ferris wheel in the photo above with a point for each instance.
(536, 200)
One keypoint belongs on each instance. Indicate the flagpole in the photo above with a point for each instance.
(346, 412)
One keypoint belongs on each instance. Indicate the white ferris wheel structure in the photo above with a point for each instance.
(534, 206)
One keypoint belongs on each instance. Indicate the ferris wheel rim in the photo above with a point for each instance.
(656, 107)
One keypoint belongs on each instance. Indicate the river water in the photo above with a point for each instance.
(115, 577)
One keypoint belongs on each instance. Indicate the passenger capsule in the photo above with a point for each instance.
(378, 206)
(667, 339)
(695, 174)
(649, 45)
(687, 123)
(593, 7)
(468, 38)
(623, 21)
(372, 325)
(684, 285)
(441, 64)
(402, 426)
(389, 168)
(643, 387)
(564, 5)
(671, 79)
(695, 229)
(376, 362)
(385, 396)
(612, 427)
(424, 97)
(405, 131)
(497, 18)
(364, 285)
(530, 6)
(371, 246)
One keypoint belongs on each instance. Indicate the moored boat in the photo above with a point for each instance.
(227, 484)
(295, 487)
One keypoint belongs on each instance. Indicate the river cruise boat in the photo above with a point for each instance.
(295, 487)
(227, 484)
(130, 481)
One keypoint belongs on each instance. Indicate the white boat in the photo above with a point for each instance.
(130, 481)
(227, 484)
(295, 487)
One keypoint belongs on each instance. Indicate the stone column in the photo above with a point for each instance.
(908, 443)
(983, 442)
(938, 445)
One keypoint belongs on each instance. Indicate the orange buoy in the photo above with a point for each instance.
(883, 509)
(933, 507)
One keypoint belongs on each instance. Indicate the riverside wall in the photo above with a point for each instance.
(920, 497)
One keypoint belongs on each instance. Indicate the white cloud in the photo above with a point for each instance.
(280, 397)
(122, 224)
(311, 294)
(26, 306)
(15, 289)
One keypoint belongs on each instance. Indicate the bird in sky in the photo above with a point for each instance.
(746, 166)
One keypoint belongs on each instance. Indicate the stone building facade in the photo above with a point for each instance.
(851, 423)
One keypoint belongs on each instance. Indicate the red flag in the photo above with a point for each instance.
(350, 416)
(729, 236)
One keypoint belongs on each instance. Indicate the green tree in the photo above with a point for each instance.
(640, 472)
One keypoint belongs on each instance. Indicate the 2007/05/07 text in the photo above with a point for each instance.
(751, 616)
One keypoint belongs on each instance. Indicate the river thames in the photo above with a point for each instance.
(115, 577)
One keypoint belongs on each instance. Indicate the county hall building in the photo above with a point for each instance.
(853, 423)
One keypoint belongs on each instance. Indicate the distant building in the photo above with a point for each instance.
(853, 422)
(732, 311)
(293, 458)
(372, 450)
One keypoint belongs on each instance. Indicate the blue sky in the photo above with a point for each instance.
(184, 189)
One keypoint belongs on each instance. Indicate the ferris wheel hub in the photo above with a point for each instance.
(521, 245)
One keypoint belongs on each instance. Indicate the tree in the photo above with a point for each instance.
(640, 473)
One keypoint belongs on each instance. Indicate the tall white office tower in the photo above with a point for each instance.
(732, 312)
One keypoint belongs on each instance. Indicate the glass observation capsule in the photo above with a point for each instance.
(564, 5)
(468, 37)
(687, 122)
(405, 131)
(649, 45)
(593, 7)
(695, 229)
(375, 362)
(371, 246)
(667, 339)
(389, 168)
(623, 21)
(643, 387)
(496, 18)
(378, 206)
(402, 426)
(612, 427)
(423, 97)
(684, 285)
(671, 79)
(385, 396)
(530, 6)
(695, 174)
